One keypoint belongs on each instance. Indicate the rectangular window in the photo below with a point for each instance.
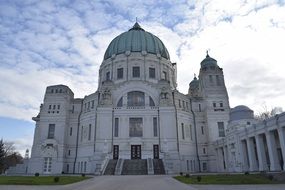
(92, 106)
(204, 166)
(211, 78)
(49, 107)
(51, 130)
(183, 104)
(152, 73)
(221, 104)
(89, 134)
(164, 75)
(120, 73)
(187, 106)
(88, 105)
(108, 76)
(70, 131)
(202, 130)
(218, 80)
(191, 136)
(179, 103)
(204, 150)
(47, 164)
(136, 72)
(155, 126)
(200, 108)
(81, 137)
(151, 102)
(214, 104)
(58, 106)
(54, 107)
(182, 130)
(135, 125)
(116, 132)
(187, 131)
(221, 129)
(69, 152)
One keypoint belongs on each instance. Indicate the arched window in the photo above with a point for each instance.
(136, 98)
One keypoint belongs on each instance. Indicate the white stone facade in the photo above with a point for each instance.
(250, 145)
(137, 113)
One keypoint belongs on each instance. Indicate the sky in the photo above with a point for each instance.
(51, 42)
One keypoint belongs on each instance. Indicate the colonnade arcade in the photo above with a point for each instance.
(261, 149)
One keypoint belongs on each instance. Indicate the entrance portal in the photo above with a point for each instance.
(116, 152)
(155, 151)
(135, 151)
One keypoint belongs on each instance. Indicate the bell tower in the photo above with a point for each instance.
(216, 104)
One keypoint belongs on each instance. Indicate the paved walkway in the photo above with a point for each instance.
(240, 187)
(147, 182)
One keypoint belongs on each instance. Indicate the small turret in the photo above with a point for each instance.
(194, 87)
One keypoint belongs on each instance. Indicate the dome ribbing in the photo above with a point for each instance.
(136, 40)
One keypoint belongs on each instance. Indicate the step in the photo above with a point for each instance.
(135, 167)
(110, 169)
(158, 167)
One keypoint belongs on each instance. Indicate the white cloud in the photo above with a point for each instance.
(59, 42)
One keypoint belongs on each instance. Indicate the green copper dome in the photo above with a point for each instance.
(209, 61)
(136, 40)
(194, 84)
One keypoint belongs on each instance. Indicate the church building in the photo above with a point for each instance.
(137, 122)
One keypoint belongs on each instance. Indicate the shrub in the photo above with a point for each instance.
(270, 177)
(56, 179)
(83, 175)
(199, 178)
(246, 173)
(187, 175)
(37, 174)
(181, 173)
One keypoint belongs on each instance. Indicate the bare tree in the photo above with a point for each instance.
(8, 156)
(267, 113)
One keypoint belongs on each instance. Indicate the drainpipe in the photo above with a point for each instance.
(77, 136)
(195, 129)
(159, 137)
(176, 124)
(112, 140)
(95, 123)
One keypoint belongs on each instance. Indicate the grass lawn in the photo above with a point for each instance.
(233, 179)
(41, 180)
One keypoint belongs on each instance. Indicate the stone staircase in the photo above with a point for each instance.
(110, 169)
(158, 167)
(135, 167)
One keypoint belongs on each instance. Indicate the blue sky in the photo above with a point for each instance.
(63, 42)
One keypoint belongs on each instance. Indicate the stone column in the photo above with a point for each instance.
(244, 155)
(272, 151)
(261, 153)
(251, 155)
(281, 135)
(219, 158)
(226, 157)
(230, 160)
